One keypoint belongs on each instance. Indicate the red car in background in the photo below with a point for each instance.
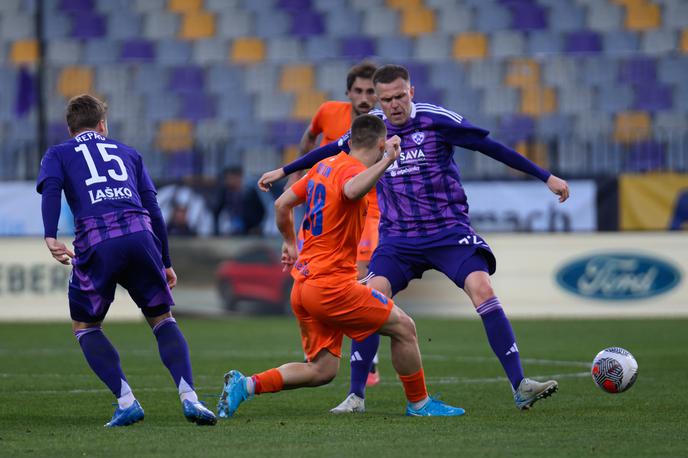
(255, 274)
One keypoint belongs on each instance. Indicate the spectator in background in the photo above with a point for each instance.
(179, 222)
(238, 208)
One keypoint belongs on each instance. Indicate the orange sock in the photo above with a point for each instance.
(269, 381)
(414, 386)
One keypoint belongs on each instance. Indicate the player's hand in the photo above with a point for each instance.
(559, 187)
(289, 255)
(393, 148)
(171, 277)
(59, 250)
(265, 182)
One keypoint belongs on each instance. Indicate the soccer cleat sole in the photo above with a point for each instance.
(545, 394)
(201, 421)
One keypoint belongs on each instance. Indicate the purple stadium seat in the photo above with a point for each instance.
(420, 76)
(515, 128)
(57, 132)
(88, 25)
(186, 79)
(76, 5)
(428, 94)
(196, 106)
(638, 70)
(294, 5)
(137, 50)
(645, 156)
(357, 47)
(183, 164)
(306, 23)
(583, 41)
(526, 15)
(287, 132)
(652, 97)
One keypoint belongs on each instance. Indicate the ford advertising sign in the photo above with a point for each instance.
(618, 276)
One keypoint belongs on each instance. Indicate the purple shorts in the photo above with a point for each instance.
(455, 254)
(133, 261)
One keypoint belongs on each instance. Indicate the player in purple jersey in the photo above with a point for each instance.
(120, 238)
(424, 216)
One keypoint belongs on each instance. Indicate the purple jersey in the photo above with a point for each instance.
(102, 181)
(421, 193)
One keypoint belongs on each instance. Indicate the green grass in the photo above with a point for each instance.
(52, 405)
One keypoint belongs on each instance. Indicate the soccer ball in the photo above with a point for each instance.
(614, 370)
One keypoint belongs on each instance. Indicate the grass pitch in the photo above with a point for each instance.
(52, 405)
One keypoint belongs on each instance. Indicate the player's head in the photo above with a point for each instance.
(368, 133)
(359, 88)
(394, 92)
(85, 112)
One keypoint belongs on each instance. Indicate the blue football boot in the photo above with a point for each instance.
(434, 408)
(197, 412)
(126, 417)
(233, 394)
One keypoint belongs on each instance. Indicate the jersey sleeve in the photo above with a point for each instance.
(299, 188)
(456, 129)
(51, 167)
(144, 181)
(348, 173)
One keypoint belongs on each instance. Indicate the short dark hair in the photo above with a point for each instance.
(390, 73)
(363, 70)
(366, 130)
(84, 112)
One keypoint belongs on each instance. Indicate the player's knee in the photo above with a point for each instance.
(407, 326)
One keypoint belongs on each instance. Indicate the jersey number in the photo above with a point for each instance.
(313, 221)
(107, 157)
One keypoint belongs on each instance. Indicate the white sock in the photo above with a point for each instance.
(420, 404)
(250, 386)
(186, 393)
(126, 397)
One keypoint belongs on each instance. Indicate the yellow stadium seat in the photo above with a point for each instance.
(74, 80)
(405, 4)
(522, 73)
(684, 41)
(643, 17)
(631, 126)
(175, 135)
(417, 21)
(24, 51)
(247, 50)
(470, 45)
(630, 3)
(538, 101)
(290, 153)
(196, 26)
(297, 78)
(184, 6)
(535, 151)
(307, 104)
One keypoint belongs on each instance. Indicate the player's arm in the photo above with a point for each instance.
(284, 219)
(361, 184)
(51, 203)
(304, 162)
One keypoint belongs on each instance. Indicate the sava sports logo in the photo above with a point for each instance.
(618, 276)
(110, 194)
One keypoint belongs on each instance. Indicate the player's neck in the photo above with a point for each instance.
(89, 129)
(367, 157)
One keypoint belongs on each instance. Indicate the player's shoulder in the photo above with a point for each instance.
(377, 112)
(438, 113)
(334, 107)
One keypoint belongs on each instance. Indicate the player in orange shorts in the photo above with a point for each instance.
(326, 298)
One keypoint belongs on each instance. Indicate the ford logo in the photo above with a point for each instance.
(618, 276)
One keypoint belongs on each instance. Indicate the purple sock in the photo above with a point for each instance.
(174, 353)
(501, 338)
(103, 359)
(362, 355)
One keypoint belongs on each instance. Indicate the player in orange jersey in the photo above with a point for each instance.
(326, 298)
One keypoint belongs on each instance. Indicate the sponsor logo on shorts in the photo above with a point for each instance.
(471, 240)
(618, 276)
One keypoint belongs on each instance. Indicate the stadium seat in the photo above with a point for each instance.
(63, 52)
(599, 70)
(184, 6)
(24, 51)
(57, 26)
(672, 70)
(161, 106)
(669, 125)
(247, 50)
(417, 21)
(593, 125)
(544, 42)
(507, 43)
(575, 100)
(357, 47)
(75, 80)
(137, 50)
(114, 6)
(645, 156)
(561, 71)
(632, 126)
(404, 4)
(522, 73)
(274, 106)
(566, 17)
(146, 6)
(158, 25)
(491, 17)
(320, 48)
(470, 45)
(659, 41)
(306, 24)
(234, 23)
(515, 128)
(395, 48)
(307, 103)
(197, 25)
(431, 47)
(261, 78)
(100, 51)
(331, 77)
(175, 135)
(342, 22)
(271, 24)
(620, 42)
(297, 78)
(173, 52)
(500, 101)
(197, 106)
(284, 49)
(583, 41)
(187, 78)
(76, 6)
(604, 16)
(454, 19)
(638, 70)
(652, 97)
(123, 25)
(642, 16)
(448, 75)
(380, 22)
(675, 15)
(209, 51)
(486, 74)
(614, 98)
(684, 41)
(527, 15)
(87, 25)
(538, 101)
(17, 26)
(554, 126)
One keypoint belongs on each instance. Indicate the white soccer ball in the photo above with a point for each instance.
(614, 370)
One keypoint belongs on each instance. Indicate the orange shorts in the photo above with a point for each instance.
(326, 314)
(369, 239)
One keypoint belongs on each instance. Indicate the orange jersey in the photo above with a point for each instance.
(333, 224)
(333, 120)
